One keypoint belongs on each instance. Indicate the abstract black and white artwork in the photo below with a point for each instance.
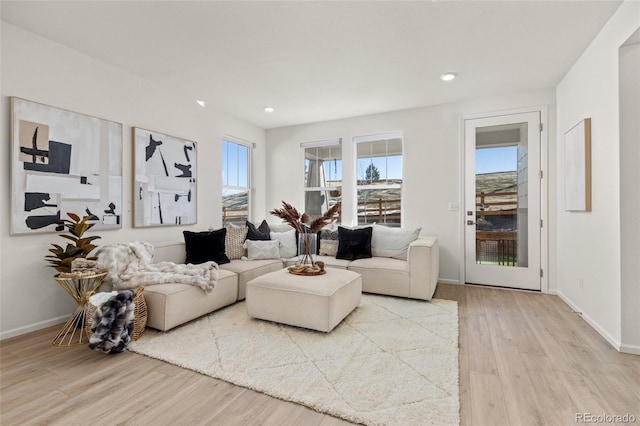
(165, 177)
(62, 162)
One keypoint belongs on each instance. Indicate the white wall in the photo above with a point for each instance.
(431, 162)
(588, 244)
(37, 69)
(630, 194)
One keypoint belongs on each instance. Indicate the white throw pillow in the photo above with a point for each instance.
(262, 249)
(287, 240)
(392, 242)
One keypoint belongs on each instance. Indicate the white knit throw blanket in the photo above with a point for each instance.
(131, 265)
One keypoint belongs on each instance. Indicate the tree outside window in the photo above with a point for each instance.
(379, 173)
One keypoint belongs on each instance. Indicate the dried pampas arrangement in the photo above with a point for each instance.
(299, 222)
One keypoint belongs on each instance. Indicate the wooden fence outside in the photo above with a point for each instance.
(379, 211)
(234, 216)
(496, 247)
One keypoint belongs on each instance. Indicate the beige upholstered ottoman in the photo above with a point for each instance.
(316, 302)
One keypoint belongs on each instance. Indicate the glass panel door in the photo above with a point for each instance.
(502, 194)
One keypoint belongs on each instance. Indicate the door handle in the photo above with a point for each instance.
(470, 222)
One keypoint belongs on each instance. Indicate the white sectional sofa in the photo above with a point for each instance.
(170, 305)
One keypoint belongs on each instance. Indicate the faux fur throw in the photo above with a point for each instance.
(131, 265)
(113, 324)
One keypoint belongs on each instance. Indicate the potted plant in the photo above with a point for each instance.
(77, 284)
(79, 247)
(307, 232)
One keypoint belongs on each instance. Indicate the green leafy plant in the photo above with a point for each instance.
(80, 246)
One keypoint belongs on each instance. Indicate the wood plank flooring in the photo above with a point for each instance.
(525, 359)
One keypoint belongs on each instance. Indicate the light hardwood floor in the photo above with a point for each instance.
(525, 359)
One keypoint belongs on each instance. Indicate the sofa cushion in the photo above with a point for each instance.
(234, 240)
(262, 249)
(260, 233)
(383, 275)
(169, 252)
(354, 243)
(249, 269)
(205, 246)
(392, 242)
(287, 243)
(169, 305)
(381, 264)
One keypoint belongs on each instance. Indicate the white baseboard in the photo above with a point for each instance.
(448, 281)
(630, 349)
(594, 324)
(33, 327)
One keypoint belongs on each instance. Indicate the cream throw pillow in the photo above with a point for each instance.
(262, 249)
(287, 240)
(233, 241)
(328, 247)
(329, 240)
(392, 242)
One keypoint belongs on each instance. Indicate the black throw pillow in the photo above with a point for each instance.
(205, 246)
(262, 232)
(354, 243)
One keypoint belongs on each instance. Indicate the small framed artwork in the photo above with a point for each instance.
(165, 175)
(577, 167)
(61, 162)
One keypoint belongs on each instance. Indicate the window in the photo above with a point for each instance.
(322, 176)
(379, 178)
(236, 182)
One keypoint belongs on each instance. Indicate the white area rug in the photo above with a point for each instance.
(391, 361)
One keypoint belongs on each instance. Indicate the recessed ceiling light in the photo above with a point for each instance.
(202, 103)
(268, 108)
(448, 76)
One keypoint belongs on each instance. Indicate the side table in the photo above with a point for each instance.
(77, 285)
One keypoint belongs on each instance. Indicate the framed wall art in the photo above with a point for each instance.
(63, 161)
(577, 167)
(165, 174)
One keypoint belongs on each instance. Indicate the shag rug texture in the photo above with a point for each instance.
(390, 362)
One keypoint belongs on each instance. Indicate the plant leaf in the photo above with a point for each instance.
(89, 248)
(85, 240)
(72, 251)
(70, 237)
(80, 229)
(56, 249)
(75, 227)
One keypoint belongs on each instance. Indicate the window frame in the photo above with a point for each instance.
(250, 187)
(335, 142)
(370, 139)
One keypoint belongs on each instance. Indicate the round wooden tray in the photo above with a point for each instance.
(307, 274)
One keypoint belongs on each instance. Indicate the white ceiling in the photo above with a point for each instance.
(322, 60)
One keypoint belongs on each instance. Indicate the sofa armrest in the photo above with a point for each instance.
(424, 263)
